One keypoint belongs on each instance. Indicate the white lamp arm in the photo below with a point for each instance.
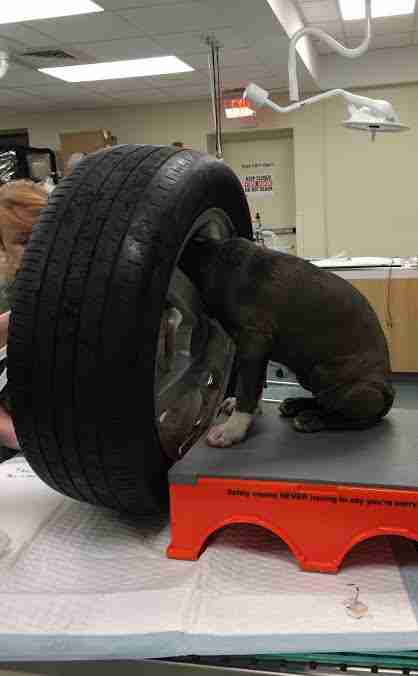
(260, 97)
(336, 46)
(4, 63)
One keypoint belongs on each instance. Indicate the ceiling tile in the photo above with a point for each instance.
(116, 5)
(385, 41)
(267, 82)
(255, 48)
(193, 78)
(262, 25)
(271, 83)
(115, 50)
(185, 16)
(197, 61)
(356, 28)
(238, 57)
(76, 104)
(15, 96)
(251, 71)
(18, 76)
(323, 48)
(333, 28)
(190, 93)
(320, 10)
(240, 78)
(133, 100)
(64, 92)
(87, 27)
(193, 42)
(392, 40)
(182, 43)
(380, 26)
(121, 85)
(167, 94)
(28, 36)
(131, 94)
(138, 100)
(54, 88)
(228, 58)
(10, 45)
(69, 102)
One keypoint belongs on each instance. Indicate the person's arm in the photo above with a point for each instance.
(8, 436)
(4, 327)
(7, 431)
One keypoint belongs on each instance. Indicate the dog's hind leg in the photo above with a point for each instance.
(293, 406)
(355, 406)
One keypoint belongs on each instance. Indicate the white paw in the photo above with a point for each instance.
(231, 432)
(228, 406)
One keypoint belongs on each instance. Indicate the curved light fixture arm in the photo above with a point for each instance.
(4, 63)
(365, 114)
(336, 46)
(260, 97)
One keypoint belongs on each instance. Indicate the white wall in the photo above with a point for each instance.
(350, 194)
(372, 195)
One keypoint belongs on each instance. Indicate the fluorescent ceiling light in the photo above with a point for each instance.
(28, 10)
(116, 70)
(355, 9)
(239, 112)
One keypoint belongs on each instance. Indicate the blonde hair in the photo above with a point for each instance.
(21, 202)
(73, 160)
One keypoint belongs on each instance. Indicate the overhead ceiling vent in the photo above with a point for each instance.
(49, 54)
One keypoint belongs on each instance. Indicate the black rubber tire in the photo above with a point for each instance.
(86, 316)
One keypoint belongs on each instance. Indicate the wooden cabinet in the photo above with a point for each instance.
(404, 330)
(84, 142)
(395, 301)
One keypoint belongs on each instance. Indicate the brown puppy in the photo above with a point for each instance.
(282, 308)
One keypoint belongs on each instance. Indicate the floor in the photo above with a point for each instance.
(406, 397)
(406, 387)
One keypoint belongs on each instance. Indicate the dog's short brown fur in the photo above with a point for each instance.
(282, 308)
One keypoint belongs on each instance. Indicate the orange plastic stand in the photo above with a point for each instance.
(321, 493)
(320, 523)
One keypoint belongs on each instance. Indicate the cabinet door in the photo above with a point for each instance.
(395, 302)
(403, 302)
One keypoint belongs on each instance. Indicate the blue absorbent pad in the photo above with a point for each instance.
(79, 582)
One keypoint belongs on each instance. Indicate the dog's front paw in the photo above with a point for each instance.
(308, 421)
(228, 406)
(231, 432)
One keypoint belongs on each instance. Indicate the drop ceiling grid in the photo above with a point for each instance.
(128, 29)
(386, 32)
(139, 28)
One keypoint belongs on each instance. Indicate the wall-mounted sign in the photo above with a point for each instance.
(257, 178)
(237, 108)
(258, 185)
(257, 165)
